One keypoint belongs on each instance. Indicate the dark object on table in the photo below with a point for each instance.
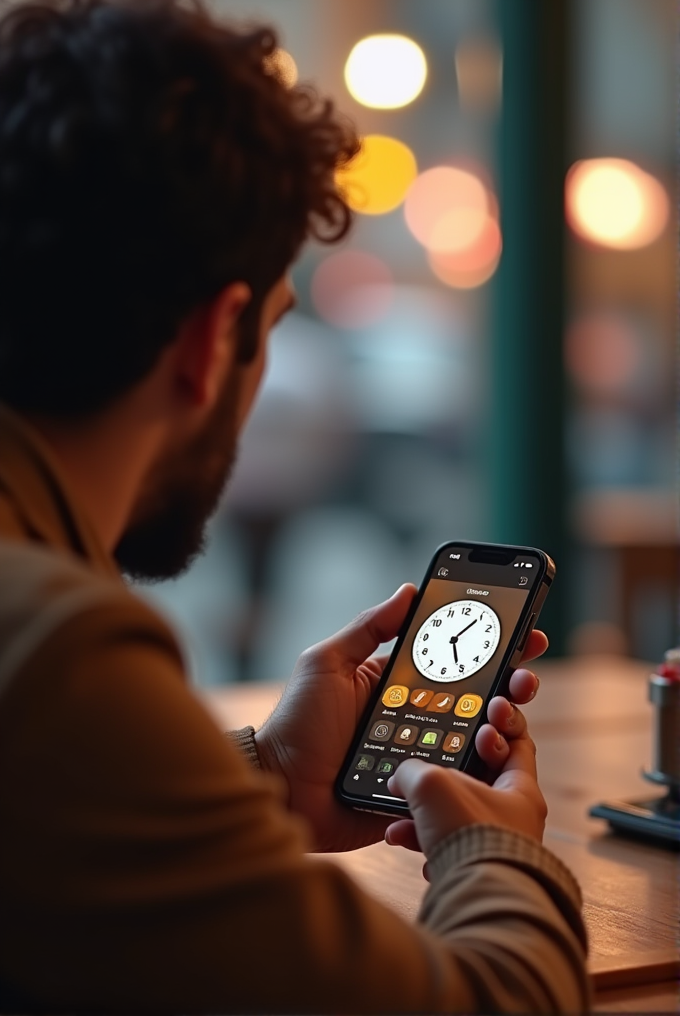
(658, 818)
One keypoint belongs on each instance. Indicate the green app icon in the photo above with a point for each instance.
(430, 737)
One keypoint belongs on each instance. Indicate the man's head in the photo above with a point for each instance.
(157, 179)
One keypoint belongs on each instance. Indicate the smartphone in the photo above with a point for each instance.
(458, 647)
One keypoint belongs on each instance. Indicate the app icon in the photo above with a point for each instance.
(395, 695)
(365, 763)
(381, 731)
(406, 734)
(453, 742)
(420, 697)
(468, 705)
(386, 766)
(441, 703)
(430, 738)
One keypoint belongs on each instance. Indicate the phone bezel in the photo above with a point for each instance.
(511, 657)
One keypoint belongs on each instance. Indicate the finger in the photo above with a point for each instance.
(402, 833)
(361, 637)
(372, 668)
(421, 784)
(492, 747)
(521, 757)
(507, 719)
(536, 645)
(523, 686)
(380, 660)
(375, 665)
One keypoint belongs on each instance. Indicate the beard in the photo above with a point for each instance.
(166, 532)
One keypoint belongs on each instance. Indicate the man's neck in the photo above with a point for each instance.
(104, 460)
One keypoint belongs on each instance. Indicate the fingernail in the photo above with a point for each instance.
(510, 722)
(500, 743)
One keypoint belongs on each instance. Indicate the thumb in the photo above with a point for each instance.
(361, 637)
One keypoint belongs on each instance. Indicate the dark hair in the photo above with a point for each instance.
(148, 157)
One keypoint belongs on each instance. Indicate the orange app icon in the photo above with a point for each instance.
(395, 695)
(468, 705)
(442, 702)
(420, 697)
(453, 743)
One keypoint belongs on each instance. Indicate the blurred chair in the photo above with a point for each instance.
(641, 527)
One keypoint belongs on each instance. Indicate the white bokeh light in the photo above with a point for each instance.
(386, 71)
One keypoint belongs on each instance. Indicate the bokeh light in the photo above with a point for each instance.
(614, 203)
(446, 209)
(385, 71)
(602, 353)
(473, 265)
(377, 179)
(454, 215)
(282, 64)
(352, 289)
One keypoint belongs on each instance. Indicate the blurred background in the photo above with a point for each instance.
(490, 355)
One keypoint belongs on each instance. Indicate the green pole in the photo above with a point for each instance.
(526, 442)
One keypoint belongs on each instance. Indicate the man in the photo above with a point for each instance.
(156, 182)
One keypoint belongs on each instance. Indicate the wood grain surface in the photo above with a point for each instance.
(592, 725)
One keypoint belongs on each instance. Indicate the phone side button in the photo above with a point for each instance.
(525, 634)
(371, 811)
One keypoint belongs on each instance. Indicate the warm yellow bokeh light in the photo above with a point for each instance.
(386, 71)
(447, 208)
(377, 180)
(282, 64)
(614, 203)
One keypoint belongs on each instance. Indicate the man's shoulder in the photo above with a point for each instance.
(42, 589)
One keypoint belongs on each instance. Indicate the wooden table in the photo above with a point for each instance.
(591, 722)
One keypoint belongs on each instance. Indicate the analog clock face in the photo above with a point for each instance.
(456, 641)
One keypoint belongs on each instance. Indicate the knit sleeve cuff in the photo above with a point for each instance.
(244, 741)
(479, 843)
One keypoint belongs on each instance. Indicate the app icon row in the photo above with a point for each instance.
(432, 702)
(408, 733)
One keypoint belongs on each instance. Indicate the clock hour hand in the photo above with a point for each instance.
(465, 629)
(453, 640)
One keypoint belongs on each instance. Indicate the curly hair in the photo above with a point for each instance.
(149, 156)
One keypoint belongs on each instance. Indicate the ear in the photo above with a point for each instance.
(206, 344)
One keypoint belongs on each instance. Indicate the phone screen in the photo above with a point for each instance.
(468, 620)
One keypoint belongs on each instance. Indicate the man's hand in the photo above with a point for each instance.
(306, 738)
(443, 801)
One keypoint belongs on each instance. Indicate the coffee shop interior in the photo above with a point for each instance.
(489, 355)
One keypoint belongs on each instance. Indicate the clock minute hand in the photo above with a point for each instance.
(465, 629)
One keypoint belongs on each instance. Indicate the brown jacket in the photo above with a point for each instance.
(146, 866)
